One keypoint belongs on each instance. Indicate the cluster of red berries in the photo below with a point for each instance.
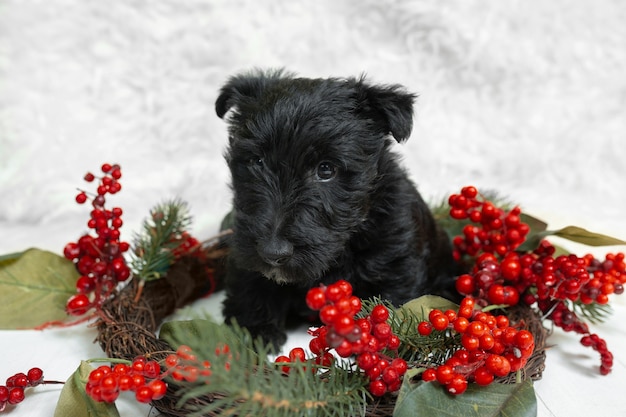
(502, 275)
(187, 244)
(491, 347)
(492, 281)
(13, 391)
(365, 337)
(568, 277)
(297, 357)
(183, 365)
(599, 345)
(143, 377)
(564, 318)
(99, 259)
(550, 281)
(491, 229)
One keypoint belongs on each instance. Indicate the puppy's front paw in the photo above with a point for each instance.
(270, 334)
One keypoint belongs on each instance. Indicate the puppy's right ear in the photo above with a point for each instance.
(244, 87)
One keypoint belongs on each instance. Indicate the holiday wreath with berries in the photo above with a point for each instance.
(367, 358)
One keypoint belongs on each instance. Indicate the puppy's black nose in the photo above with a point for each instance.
(275, 252)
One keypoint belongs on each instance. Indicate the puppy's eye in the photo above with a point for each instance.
(256, 162)
(326, 171)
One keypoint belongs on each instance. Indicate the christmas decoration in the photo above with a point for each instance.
(366, 357)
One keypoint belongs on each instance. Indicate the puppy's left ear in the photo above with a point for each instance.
(392, 106)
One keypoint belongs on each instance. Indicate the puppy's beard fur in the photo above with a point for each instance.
(277, 275)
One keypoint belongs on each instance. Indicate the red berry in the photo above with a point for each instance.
(440, 322)
(20, 380)
(344, 349)
(511, 295)
(35, 376)
(139, 363)
(78, 305)
(85, 284)
(399, 365)
(469, 192)
(158, 388)
(498, 365)
(495, 294)
(482, 376)
(143, 394)
(425, 328)
(334, 292)
(394, 342)
(71, 251)
(367, 360)
(379, 314)
(343, 324)
(475, 328)
(315, 298)
(106, 168)
(445, 373)
(16, 395)
(297, 354)
(461, 324)
(116, 173)
(283, 359)
(377, 388)
(470, 342)
(465, 284)
(81, 197)
(328, 314)
(151, 369)
(139, 381)
(429, 374)
(390, 375)
(457, 386)
(89, 177)
(4, 394)
(382, 331)
(524, 339)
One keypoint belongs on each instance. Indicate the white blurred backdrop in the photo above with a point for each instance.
(524, 97)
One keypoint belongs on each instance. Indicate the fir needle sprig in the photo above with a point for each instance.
(162, 234)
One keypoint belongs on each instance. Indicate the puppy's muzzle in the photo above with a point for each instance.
(275, 252)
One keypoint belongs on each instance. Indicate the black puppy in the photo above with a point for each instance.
(319, 196)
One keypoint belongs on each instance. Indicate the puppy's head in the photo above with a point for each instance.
(304, 158)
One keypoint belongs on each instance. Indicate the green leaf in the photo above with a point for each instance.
(425, 304)
(536, 225)
(580, 235)
(10, 257)
(74, 401)
(34, 288)
(428, 399)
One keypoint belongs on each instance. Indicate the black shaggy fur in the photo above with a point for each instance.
(319, 196)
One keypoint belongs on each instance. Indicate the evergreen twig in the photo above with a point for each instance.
(154, 247)
(245, 382)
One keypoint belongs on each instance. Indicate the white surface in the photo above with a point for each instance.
(526, 98)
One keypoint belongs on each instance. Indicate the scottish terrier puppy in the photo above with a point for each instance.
(319, 196)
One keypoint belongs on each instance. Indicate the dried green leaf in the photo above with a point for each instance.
(580, 235)
(74, 401)
(536, 225)
(423, 305)
(496, 400)
(34, 287)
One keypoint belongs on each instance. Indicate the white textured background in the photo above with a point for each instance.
(524, 97)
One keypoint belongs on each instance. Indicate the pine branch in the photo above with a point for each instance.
(245, 382)
(416, 349)
(594, 313)
(154, 248)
